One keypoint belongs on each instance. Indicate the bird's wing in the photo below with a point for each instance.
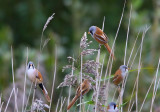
(117, 77)
(100, 38)
(101, 35)
(106, 39)
(81, 89)
(39, 76)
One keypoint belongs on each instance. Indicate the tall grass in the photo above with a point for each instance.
(101, 78)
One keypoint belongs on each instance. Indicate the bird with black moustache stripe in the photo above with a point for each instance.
(36, 77)
(112, 107)
(120, 74)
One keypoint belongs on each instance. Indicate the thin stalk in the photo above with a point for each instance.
(44, 28)
(127, 36)
(70, 85)
(131, 106)
(1, 103)
(28, 97)
(9, 100)
(16, 107)
(113, 45)
(1, 106)
(114, 95)
(62, 102)
(53, 77)
(103, 23)
(139, 67)
(88, 108)
(136, 82)
(34, 92)
(119, 26)
(57, 105)
(133, 48)
(97, 78)
(147, 94)
(132, 95)
(123, 85)
(25, 82)
(81, 82)
(154, 90)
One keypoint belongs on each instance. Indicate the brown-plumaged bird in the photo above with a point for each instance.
(81, 90)
(35, 76)
(120, 74)
(100, 37)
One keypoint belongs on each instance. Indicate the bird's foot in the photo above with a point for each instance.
(82, 96)
(99, 47)
(35, 87)
(119, 88)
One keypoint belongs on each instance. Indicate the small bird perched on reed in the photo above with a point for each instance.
(120, 74)
(35, 76)
(100, 37)
(81, 91)
(112, 107)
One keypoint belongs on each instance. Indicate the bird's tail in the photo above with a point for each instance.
(109, 50)
(45, 92)
(72, 102)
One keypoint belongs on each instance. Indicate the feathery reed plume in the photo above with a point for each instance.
(38, 105)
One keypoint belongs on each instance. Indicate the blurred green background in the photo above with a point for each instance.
(22, 21)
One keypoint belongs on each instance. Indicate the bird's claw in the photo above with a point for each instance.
(99, 47)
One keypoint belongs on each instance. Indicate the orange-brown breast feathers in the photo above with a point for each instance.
(117, 79)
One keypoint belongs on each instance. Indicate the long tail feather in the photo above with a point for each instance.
(109, 50)
(45, 92)
(72, 102)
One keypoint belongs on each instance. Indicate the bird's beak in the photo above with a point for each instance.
(116, 105)
(88, 32)
(129, 68)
